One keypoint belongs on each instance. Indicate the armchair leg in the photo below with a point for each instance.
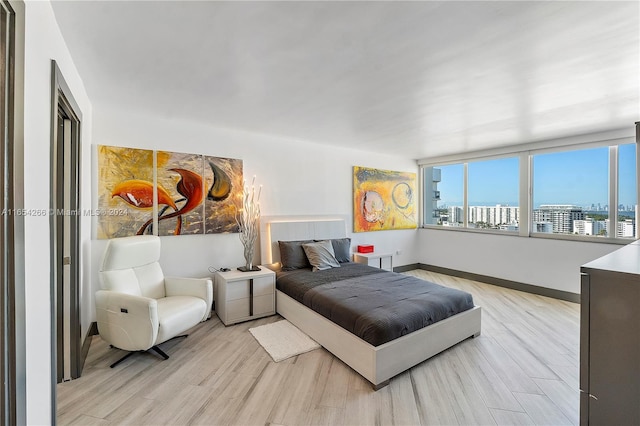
(156, 349)
(121, 359)
(160, 352)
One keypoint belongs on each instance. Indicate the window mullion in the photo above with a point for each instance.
(613, 191)
(465, 198)
(637, 177)
(525, 203)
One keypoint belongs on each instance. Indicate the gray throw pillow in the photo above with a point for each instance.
(321, 255)
(342, 249)
(292, 255)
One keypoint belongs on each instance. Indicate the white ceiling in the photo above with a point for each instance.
(416, 79)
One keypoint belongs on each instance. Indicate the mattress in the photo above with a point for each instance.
(376, 305)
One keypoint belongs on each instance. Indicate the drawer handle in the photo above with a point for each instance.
(251, 297)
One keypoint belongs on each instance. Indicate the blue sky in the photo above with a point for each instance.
(574, 177)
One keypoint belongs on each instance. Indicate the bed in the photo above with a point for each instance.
(376, 352)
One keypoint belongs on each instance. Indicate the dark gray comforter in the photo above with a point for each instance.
(375, 305)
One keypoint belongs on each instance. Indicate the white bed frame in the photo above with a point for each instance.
(377, 364)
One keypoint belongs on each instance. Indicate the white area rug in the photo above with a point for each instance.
(283, 340)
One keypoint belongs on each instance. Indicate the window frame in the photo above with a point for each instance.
(465, 193)
(525, 155)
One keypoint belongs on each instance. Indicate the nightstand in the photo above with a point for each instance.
(243, 296)
(377, 260)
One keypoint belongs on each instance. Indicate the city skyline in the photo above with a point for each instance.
(589, 208)
(574, 177)
(555, 219)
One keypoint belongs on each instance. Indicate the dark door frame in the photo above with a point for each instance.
(12, 394)
(63, 105)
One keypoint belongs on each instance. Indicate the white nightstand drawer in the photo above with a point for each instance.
(384, 263)
(241, 289)
(237, 289)
(263, 285)
(240, 309)
(264, 304)
(237, 309)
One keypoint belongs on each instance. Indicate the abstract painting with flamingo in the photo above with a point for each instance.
(181, 175)
(195, 193)
(125, 184)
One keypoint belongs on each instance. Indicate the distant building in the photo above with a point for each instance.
(513, 226)
(494, 216)
(626, 229)
(481, 214)
(432, 177)
(590, 227)
(560, 215)
(455, 214)
(546, 227)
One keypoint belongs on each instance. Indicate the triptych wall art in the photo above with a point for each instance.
(196, 194)
(383, 200)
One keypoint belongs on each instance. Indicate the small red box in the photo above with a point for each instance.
(365, 249)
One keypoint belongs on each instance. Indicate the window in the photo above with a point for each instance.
(571, 192)
(443, 201)
(590, 193)
(493, 194)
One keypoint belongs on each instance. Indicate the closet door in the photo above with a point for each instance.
(614, 348)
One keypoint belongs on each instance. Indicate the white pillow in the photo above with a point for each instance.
(321, 255)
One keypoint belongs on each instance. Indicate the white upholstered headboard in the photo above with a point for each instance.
(274, 229)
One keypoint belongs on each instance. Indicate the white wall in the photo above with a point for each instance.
(44, 42)
(298, 179)
(542, 262)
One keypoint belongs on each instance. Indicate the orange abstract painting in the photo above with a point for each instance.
(196, 194)
(181, 176)
(383, 200)
(125, 190)
(224, 188)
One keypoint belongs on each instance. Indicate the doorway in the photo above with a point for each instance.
(65, 233)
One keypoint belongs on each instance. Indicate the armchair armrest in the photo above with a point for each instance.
(196, 287)
(126, 321)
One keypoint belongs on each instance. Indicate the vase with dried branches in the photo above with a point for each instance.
(247, 218)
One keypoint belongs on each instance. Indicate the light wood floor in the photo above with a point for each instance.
(523, 369)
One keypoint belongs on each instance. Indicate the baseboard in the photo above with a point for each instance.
(405, 268)
(514, 285)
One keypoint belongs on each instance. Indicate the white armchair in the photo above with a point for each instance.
(138, 307)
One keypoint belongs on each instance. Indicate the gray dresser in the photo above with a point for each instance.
(610, 339)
